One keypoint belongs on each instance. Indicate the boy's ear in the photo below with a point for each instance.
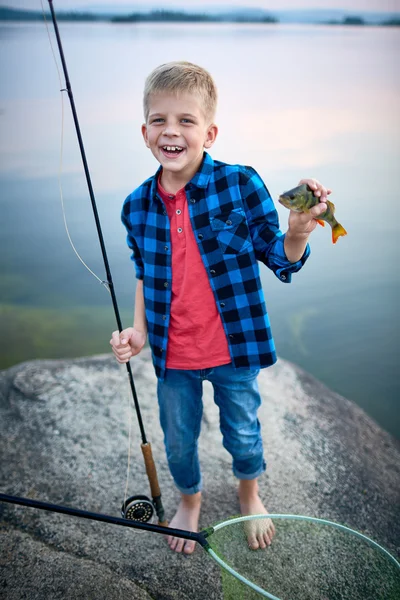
(211, 135)
(144, 134)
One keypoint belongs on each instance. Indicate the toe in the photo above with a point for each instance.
(267, 539)
(189, 547)
(253, 543)
(173, 543)
(262, 543)
(179, 543)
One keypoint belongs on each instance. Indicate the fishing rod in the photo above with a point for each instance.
(136, 507)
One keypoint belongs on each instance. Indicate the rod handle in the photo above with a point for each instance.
(153, 480)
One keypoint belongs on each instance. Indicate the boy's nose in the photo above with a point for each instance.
(170, 130)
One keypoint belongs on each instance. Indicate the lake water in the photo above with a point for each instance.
(294, 101)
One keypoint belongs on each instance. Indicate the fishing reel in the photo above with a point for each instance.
(138, 508)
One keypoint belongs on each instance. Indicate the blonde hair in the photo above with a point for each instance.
(178, 77)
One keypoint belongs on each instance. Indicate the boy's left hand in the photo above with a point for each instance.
(302, 224)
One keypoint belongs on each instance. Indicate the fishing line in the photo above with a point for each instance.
(136, 507)
(128, 466)
(60, 167)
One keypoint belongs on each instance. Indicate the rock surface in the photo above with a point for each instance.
(65, 438)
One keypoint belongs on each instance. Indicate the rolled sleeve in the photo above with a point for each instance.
(268, 240)
(280, 265)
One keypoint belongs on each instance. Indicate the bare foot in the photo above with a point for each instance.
(186, 517)
(260, 531)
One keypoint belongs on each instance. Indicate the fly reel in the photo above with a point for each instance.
(138, 508)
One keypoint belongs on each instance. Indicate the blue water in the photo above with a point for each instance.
(294, 101)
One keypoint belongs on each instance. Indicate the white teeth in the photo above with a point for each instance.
(172, 148)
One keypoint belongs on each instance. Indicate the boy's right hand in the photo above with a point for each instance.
(128, 343)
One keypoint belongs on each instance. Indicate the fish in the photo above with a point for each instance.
(302, 199)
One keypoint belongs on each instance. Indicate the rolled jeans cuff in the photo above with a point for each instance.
(249, 476)
(191, 490)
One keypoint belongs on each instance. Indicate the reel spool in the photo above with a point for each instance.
(138, 508)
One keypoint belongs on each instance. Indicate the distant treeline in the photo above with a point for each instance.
(11, 14)
(180, 16)
(360, 21)
(157, 16)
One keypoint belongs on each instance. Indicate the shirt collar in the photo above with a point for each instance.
(200, 179)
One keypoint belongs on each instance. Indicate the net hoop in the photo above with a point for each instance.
(272, 516)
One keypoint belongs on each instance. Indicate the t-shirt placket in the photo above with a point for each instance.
(179, 202)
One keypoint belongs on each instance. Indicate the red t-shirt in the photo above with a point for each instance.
(196, 337)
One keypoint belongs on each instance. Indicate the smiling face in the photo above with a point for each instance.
(177, 131)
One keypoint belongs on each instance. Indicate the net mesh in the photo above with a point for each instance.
(306, 560)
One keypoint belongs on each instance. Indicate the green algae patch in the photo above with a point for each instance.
(32, 333)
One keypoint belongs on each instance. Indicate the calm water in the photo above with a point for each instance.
(295, 101)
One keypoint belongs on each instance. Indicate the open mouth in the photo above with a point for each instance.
(172, 150)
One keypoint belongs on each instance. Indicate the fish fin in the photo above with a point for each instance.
(331, 206)
(321, 222)
(337, 231)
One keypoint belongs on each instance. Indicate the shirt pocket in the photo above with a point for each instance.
(231, 231)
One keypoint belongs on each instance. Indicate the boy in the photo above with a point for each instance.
(197, 229)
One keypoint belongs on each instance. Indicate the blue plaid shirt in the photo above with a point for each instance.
(235, 224)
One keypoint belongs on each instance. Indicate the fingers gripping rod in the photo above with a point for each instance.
(146, 447)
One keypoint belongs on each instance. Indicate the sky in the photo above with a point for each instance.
(349, 5)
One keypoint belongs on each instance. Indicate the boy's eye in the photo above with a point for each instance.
(157, 120)
(186, 121)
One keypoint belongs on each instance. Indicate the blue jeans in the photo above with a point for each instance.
(237, 397)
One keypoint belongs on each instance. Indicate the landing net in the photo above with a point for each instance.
(310, 559)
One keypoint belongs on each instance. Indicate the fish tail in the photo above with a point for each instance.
(321, 222)
(337, 231)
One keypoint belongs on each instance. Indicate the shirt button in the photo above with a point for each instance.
(231, 336)
(166, 284)
(180, 229)
(200, 236)
(222, 304)
(171, 197)
(165, 248)
(192, 200)
(178, 212)
(164, 317)
(283, 277)
(212, 271)
(228, 222)
(161, 350)
(164, 212)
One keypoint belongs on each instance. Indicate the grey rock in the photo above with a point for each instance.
(65, 439)
(35, 570)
